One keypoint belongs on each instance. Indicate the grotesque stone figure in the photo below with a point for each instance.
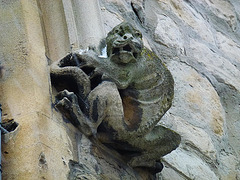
(119, 99)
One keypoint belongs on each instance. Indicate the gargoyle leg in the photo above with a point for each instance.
(106, 106)
(157, 143)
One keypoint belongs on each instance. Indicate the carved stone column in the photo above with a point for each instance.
(88, 22)
(41, 146)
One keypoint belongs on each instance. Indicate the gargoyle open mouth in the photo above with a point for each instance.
(124, 49)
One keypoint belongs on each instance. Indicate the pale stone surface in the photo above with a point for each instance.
(206, 74)
(71, 24)
(41, 143)
(192, 136)
(229, 48)
(230, 163)
(169, 173)
(223, 70)
(168, 33)
(195, 100)
(224, 10)
(190, 165)
(88, 22)
(110, 19)
(54, 27)
(190, 16)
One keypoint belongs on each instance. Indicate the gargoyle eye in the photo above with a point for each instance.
(116, 31)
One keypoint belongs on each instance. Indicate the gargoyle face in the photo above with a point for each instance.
(124, 44)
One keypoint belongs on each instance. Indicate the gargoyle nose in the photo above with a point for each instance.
(127, 36)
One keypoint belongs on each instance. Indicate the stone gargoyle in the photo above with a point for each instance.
(119, 99)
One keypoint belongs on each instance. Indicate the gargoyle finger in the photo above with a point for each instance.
(64, 104)
(62, 94)
(70, 95)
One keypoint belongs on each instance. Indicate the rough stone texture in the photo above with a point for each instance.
(200, 44)
(125, 96)
(199, 41)
(54, 27)
(32, 153)
(88, 22)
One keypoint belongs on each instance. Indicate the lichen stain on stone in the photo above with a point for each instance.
(132, 112)
(194, 98)
(217, 123)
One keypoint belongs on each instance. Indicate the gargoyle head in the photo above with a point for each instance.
(124, 44)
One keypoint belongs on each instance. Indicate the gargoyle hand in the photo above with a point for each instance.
(67, 103)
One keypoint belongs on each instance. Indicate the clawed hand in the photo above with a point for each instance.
(67, 103)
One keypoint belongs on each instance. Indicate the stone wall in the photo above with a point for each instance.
(42, 142)
(199, 41)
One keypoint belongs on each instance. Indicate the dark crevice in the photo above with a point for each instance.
(128, 153)
(94, 116)
(101, 128)
(84, 105)
(66, 61)
(72, 60)
(10, 125)
(135, 55)
(68, 83)
(124, 149)
(64, 82)
(116, 51)
(136, 12)
(88, 70)
(127, 48)
(95, 81)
